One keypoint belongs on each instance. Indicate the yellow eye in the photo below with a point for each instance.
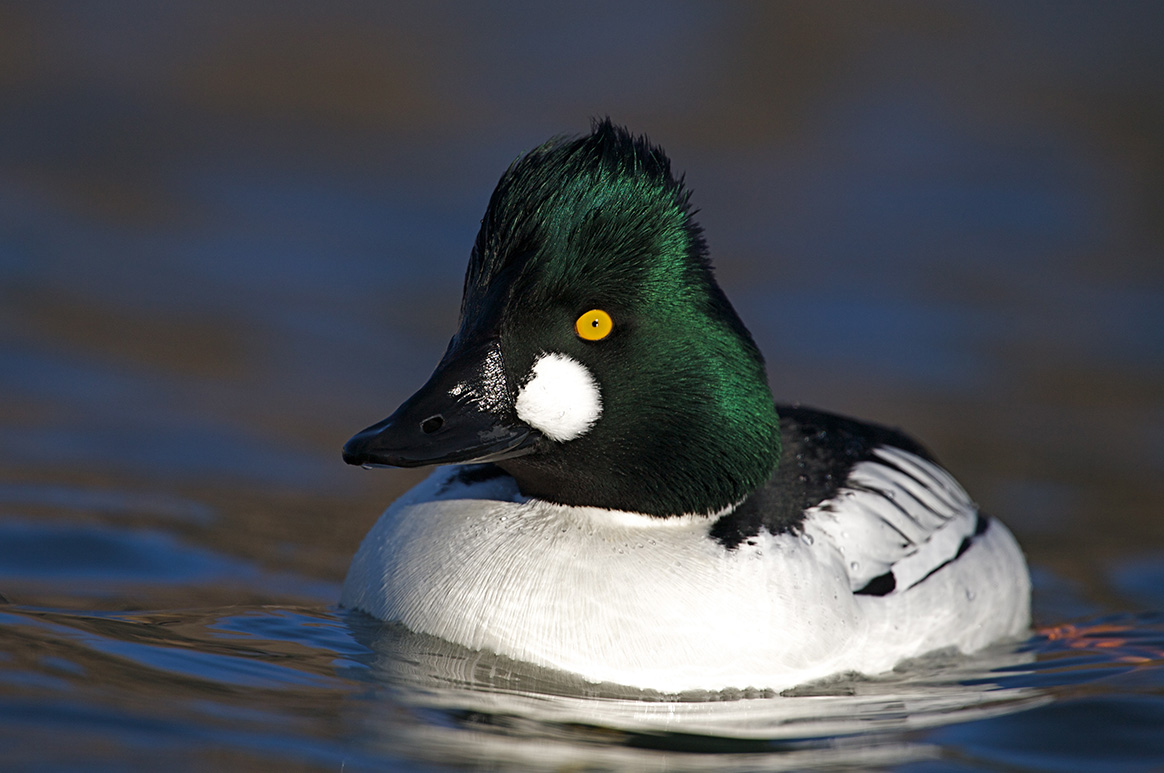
(594, 325)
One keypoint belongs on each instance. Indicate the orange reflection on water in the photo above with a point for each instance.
(1105, 637)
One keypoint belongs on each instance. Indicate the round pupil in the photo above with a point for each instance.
(594, 325)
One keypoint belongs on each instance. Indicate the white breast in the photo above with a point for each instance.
(655, 603)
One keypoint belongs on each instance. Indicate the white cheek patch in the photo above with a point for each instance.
(561, 398)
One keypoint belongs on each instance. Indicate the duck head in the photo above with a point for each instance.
(596, 359)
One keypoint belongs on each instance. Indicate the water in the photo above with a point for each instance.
(231, 237)
(312, 687)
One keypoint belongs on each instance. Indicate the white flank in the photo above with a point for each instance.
(655, 603)
(561, 398)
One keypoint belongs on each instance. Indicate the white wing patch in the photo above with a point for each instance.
(560, 399)
(899, 514)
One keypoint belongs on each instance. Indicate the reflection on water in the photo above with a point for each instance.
(232, 235)
(321, 688)
(519, 715)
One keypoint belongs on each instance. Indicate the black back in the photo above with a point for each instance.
(818, 451)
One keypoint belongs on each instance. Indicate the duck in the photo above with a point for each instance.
(618, 496)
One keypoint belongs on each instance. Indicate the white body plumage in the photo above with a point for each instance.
(658, 604)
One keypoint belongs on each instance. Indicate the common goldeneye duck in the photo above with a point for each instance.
(631, 505)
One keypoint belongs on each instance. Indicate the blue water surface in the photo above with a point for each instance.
(233, 235)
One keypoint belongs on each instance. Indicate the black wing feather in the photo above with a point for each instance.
(819, 450)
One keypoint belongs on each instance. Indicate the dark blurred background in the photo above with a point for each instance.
(232, 234)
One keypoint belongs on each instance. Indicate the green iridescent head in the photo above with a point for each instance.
(686, 423)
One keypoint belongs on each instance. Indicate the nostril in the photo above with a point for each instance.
(432, 424)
